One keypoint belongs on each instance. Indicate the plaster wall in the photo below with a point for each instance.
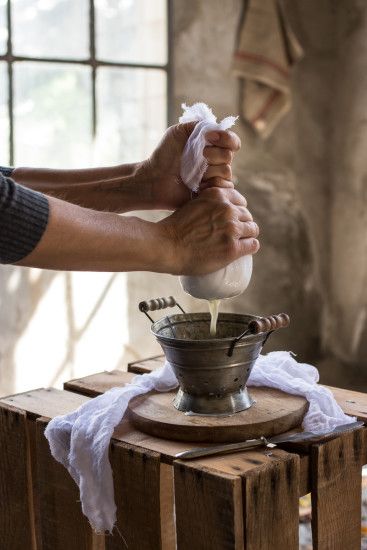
(306, 184)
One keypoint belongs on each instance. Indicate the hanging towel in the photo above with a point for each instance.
(80, 440)
(267, 50)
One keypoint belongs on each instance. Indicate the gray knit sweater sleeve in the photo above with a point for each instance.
(23, 218)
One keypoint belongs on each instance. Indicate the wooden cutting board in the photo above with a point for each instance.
(273, 413)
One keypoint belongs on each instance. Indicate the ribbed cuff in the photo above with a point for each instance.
(23, 220)
(5, 171)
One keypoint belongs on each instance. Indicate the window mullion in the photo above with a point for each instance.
(92, 50)
(10, 84)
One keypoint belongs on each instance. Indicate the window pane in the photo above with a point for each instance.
(3, 27)
(51, 28)
(4, 119)
(52, 114)
(131, 113)
(132, 31)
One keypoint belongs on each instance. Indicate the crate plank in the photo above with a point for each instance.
(271, 513)
(47, 402)
(95, 384)
(137, 495)
(146, 365)
(16, 518)
(336, 492)
(61, 521)
(208, 509)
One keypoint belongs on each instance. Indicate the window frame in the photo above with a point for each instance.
(92, 61)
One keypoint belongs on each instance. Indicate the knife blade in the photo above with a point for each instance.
(271, 442)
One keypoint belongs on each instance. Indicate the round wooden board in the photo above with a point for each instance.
(273, 413)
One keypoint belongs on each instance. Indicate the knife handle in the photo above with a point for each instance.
(221, 449)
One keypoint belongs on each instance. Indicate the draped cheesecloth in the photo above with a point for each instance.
(80, 440)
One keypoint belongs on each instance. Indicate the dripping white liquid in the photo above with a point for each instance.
(214, 309)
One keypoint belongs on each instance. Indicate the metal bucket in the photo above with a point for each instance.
(212, 371)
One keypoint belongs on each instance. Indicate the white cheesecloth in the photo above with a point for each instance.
(80, 440)
(233, 279)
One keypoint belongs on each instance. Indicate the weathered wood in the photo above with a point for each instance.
(271, 513)
(209, 513)
(336, 492)
(16, 517)
(137, 495)
(47, 402)
(273, 412)
(167, 504)
(352, 402)
(62, 523)
(146, 365)
(99, 383)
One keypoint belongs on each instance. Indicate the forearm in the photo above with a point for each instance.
(79, 239)
(114, 189)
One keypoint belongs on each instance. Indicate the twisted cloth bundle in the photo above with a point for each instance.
(80, 440)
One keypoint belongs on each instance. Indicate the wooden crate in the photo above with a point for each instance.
(246, 500)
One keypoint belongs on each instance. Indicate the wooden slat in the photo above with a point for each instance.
(47, 402)
(208, 509)
(146, 365)
(99, 383)
(167, 504)
(62, 523)
(137, 495)
(271, 505)
(336, 492)
(16, 521)
(352, 402)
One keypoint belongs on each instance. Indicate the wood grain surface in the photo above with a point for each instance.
(17, 529)
(274, 412)
(209, 513)
(61, 521)
(336, 492)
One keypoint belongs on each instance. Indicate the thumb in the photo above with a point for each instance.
(247, 246)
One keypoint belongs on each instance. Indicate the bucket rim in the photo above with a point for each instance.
(226, 340)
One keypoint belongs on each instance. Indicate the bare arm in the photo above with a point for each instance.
(152, 184)
(113, 189)
(202, 236)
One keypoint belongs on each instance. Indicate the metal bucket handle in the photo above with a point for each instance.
(262, 324)
(158, 303)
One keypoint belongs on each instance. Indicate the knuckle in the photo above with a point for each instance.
(253, 228)
(227, 171)
(216, 192)
(227, 156)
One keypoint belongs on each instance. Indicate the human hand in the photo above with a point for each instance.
(210, 232)
(162, 169)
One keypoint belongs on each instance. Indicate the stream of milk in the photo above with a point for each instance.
(214, 309)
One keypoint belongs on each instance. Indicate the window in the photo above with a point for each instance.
(82, 82)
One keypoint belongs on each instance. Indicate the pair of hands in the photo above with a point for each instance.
(216, 228)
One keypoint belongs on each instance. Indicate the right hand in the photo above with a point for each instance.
(210, 232)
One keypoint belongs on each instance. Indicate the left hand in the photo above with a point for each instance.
(162, 168)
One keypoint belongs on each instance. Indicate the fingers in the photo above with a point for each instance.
(224, 195)
(223, 171)
(216, 182)
(248, 246)
(225, 139)
(249, 229)
(218, 155)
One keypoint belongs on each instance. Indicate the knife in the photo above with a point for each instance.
(271, 442)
